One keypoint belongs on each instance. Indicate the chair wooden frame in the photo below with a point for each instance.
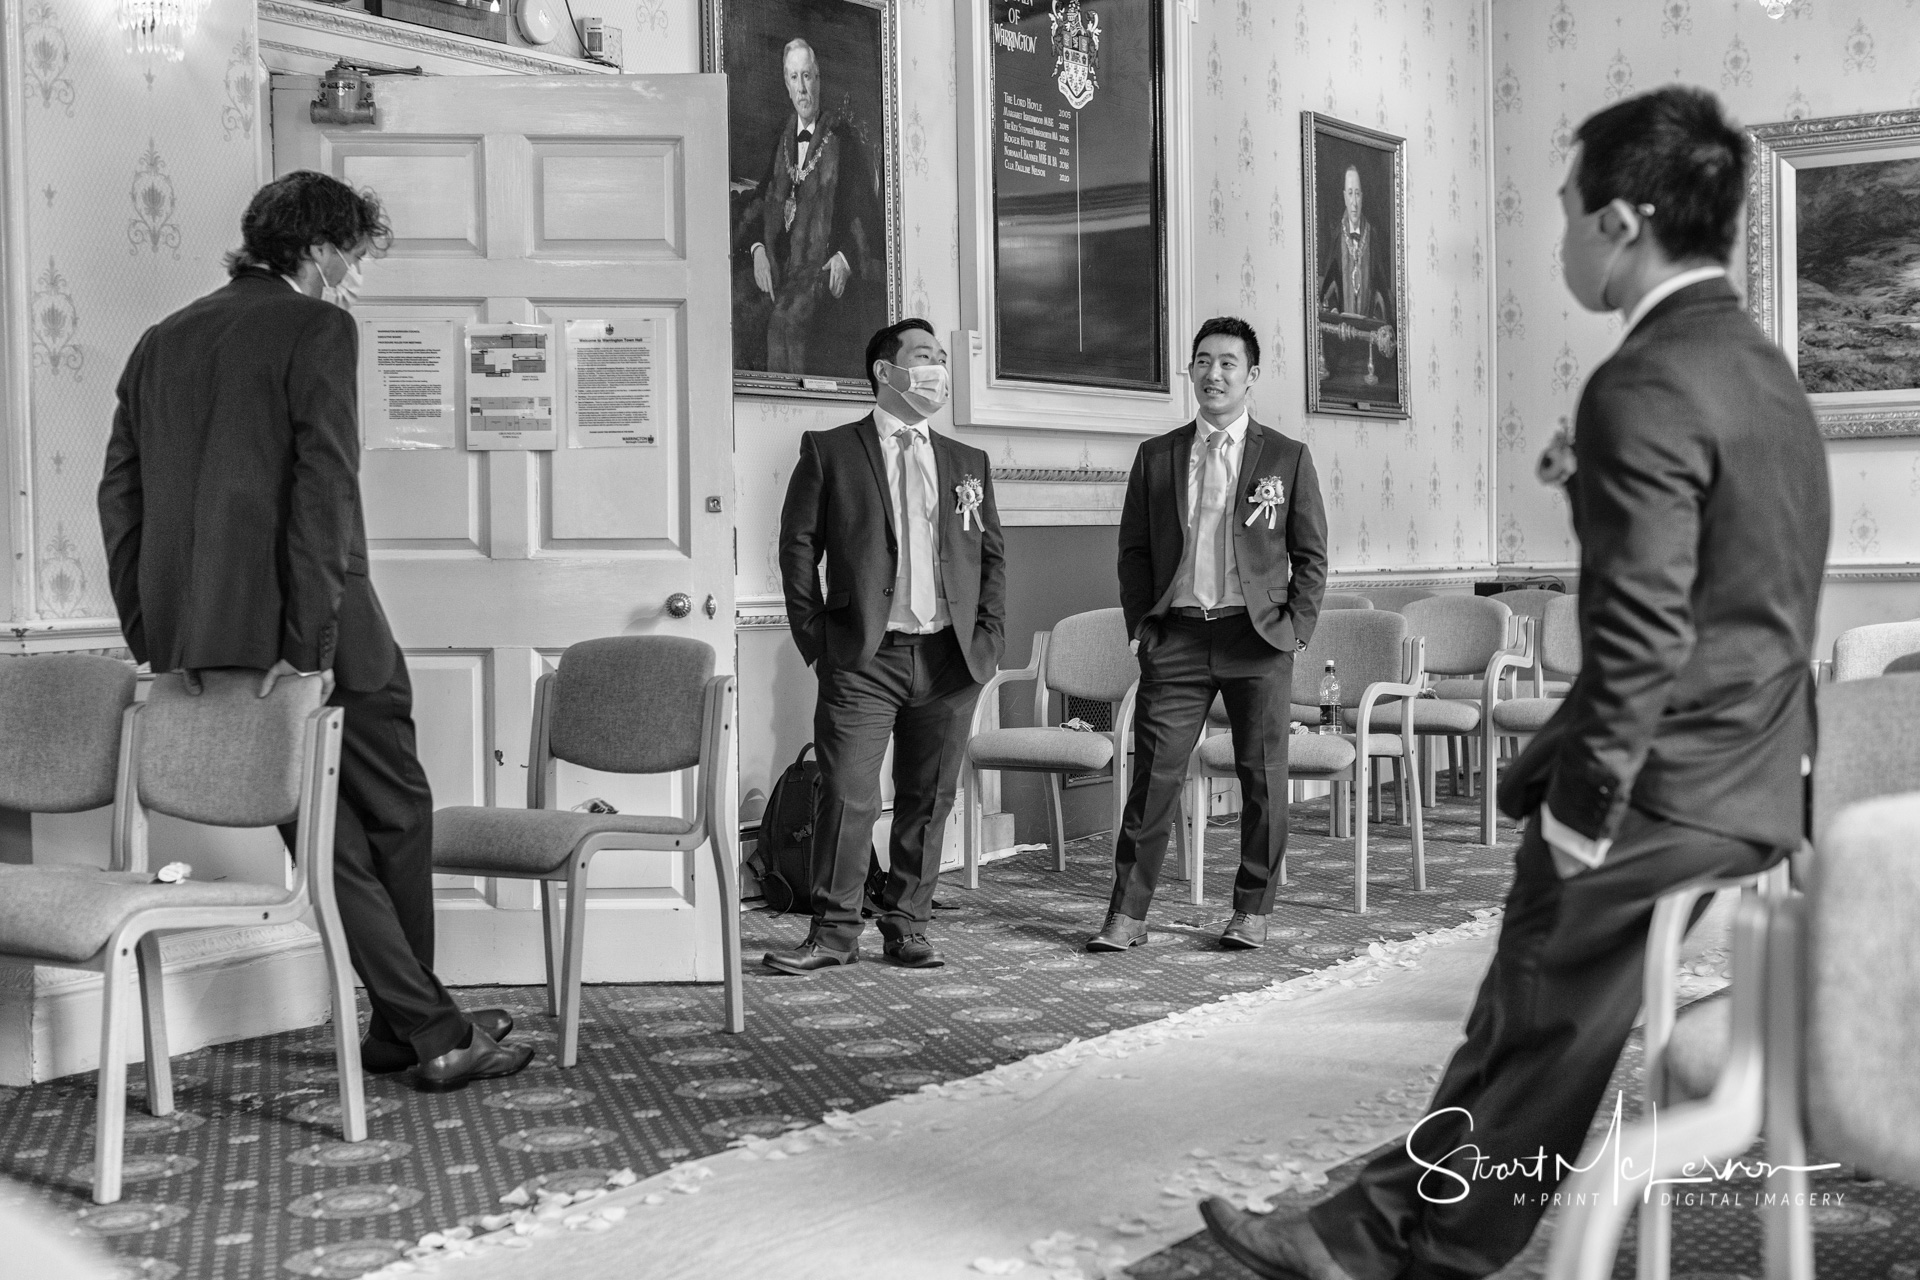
(988, 709)
(1408, 688)
(137, 938)
(1524, 656)
(564, 928)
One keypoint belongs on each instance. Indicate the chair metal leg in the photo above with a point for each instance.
(346, 1025)
(550, 932)
(575, 958)
(1402, 770)
(1788, 1227)
(1379, 810)
(971, 835)
(1057, 824)
(1360, 850)
(153, 1002)
(1417, 813)
(727, 872)
(1197, 840)
(1489, 752)
(110, 1098)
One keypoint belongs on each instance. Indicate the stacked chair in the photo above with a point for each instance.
(1085, 656)
(622, 704)
(71, 738)
(1464, 635)
(1814, 1048)
(1377, 662)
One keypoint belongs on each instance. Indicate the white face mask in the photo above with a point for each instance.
(927, 387)
(347, 291)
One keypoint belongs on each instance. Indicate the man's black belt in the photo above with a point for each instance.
(913, 637)
(1208, 615)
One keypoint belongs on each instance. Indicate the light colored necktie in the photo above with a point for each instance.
(1210, 525)
(916, 550)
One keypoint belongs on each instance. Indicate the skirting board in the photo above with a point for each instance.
(221, 985)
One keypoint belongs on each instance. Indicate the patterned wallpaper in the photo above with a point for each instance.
(1554, 64)
(1400, 494)
(137, 173)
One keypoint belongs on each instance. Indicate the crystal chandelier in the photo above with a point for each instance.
(159, 28)
(1776, 9)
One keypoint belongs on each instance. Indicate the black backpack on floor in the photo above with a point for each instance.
(783, 855)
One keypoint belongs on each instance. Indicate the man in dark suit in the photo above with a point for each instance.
(1698, 485)
(819, 229)
(896, 590)
(1223, 559)
(231, 513)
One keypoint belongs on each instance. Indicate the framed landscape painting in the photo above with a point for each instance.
(1833, 264)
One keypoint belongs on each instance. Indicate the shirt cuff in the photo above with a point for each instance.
(1588, 852)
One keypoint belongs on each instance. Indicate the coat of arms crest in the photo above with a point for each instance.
(1076, 42)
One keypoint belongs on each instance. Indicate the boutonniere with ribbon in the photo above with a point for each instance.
(1266, 497)
(968, 495)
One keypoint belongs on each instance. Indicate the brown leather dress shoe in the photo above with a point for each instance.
(1244, 932)
(913, 951)
(384, 1057)
(1118, 933)
(482, 1059)
(808, 957)
(1281, 1245)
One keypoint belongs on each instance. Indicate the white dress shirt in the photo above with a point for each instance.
(925, 533)
(1183, 594)
(1563, 838)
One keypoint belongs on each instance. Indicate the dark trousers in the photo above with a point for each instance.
(1183, 664)
(1552, 1016)
(918, 692)
(383, 869)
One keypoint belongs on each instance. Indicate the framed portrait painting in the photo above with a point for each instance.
(813, 126)
(1354, 183)
(1833, 264)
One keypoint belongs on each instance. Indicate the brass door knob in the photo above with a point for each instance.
(679, 604)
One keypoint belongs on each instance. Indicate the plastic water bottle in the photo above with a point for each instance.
(1330, 701)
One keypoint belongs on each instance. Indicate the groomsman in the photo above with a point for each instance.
(1223, 559)
(896, 591)
(1698, 486)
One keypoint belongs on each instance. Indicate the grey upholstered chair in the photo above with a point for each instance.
(1344, 600)
(1816, 1051)
(1554, 645)
(1085, 656)
(623, 704)
(1864, 652)
(1463, 635)
(224, 757)
(1532, 602)
(1385, 596)
(1376, 661)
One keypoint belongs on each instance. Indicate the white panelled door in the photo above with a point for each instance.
(541, 200)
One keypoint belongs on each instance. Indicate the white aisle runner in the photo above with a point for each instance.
(1064, 1165)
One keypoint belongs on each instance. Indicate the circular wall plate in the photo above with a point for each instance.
(537, 20)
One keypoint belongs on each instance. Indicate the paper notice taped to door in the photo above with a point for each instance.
(610, 367)
(406, 384)
(510, 387)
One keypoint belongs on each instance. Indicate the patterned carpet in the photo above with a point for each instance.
(247, 1178)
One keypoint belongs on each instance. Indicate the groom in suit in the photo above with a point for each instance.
(1223, 559)
(1698, 485)
(890, 549)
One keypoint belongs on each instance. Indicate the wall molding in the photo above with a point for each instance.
(278, 17)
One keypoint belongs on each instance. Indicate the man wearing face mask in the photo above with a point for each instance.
(906, 623)
(1698, 485)
(231, 513)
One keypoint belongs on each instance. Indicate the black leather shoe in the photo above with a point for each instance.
(384, 1057)
(1281, 1245)
(1119, 933)
(1244, 932)
(913, 952)
(482, 1059)
(809, 957)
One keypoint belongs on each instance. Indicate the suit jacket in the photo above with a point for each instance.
(1283, 570)
(1700, 499)
(833, 207)
(231, 499)
(838, 512)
